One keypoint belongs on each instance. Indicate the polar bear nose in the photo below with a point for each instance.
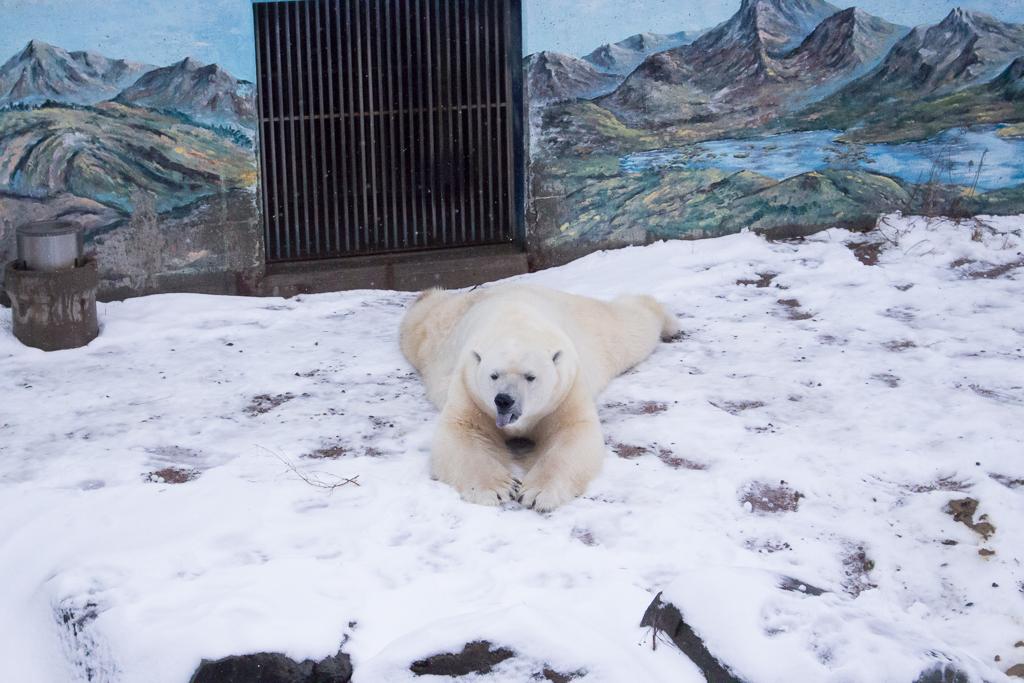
(504, 402)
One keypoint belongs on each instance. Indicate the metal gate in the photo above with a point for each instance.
(388, 125)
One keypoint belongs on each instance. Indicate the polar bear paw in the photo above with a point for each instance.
(544, 498)
(496, 491)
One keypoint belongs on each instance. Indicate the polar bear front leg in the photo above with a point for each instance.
(569, 459)
(464, 455)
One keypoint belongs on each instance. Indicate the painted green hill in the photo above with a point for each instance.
(617, 210)
(108, 152)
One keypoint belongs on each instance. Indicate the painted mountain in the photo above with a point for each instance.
(930, 63)
(843, 47)
(205, 93)
(43, 72)
(998, 101)
(771, 56)
(624, 56)
(556, 77)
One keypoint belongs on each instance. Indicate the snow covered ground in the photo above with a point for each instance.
(158, 497)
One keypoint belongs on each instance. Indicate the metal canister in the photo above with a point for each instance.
(49, 246)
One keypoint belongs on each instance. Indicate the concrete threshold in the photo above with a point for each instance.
(412, 271)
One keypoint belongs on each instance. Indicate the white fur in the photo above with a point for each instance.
(552, 353)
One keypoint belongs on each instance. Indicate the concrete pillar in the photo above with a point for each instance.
(54, 310)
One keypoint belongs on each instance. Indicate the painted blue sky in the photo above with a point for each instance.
(157, 32)
(162, 32)
(577, 27)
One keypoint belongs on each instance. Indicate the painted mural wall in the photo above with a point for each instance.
(784, 116)
(137, 120)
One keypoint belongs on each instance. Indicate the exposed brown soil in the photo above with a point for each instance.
(764, 281)
(897, 346)
(770, 499)
(476, 657)
(891, 381)
(963, 511)
(996, 271)
(172, 475)
(1008, 482)
(794, 309)
(666, 456)
(644, 408)
(942, 484)
(329, 453)
(584, 536)
(867, 252)
(264, 403)
(737, 407)
(856, 566)
(628, 452)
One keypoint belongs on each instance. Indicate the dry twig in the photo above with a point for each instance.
(312, 478)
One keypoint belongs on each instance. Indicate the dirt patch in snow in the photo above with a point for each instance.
(737, 407)
(1008, 482)
(329, 452)
(767, 498)
(867, 252)
(794, 309)
(172, 475)
(476, 657)
(963, 511)
(264, 403)
(996, 271)
(941, 484)
(629, 452)
(856, 566)
(764, 281)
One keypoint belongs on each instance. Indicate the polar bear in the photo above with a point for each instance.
(515, 369)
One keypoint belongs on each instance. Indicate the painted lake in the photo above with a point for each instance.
(952, 157)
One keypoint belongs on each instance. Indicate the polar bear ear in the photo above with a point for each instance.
(558, 354)
(476, 356)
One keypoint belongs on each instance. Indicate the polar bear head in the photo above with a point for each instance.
(521, 382)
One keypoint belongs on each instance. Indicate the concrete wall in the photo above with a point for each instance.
(647, 120)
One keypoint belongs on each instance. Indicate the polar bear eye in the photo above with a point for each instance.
(494, 375)
(530, 378)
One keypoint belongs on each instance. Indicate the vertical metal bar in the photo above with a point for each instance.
(430, 124)
(345, 121)
(321, 146)
(478, 99)
(468, 149)
(357, 112)
(510, 59)
(285, 143)
(392, 115)
(405, 102)
(302, 102)
(488, 105)
(259, 13)
(382, 136)
(444, 109)
(421, 103)
(315, 143)
(293, 138)
(460, 155)
(499, 112)
(371, 150)
(330, 198)
(518, 133)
